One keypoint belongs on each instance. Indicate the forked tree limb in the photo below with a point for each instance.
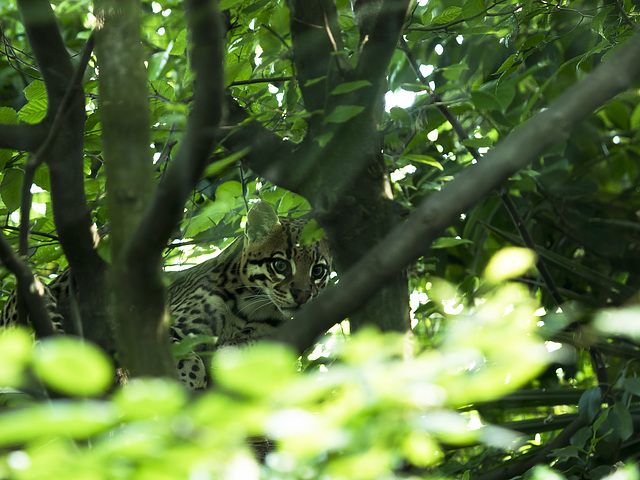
(412, 239)
(203, 130)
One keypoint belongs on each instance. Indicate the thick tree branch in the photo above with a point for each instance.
(411, 239)
(35, 160)
(65, 161)
(22, 137)
(149, 240)
(138, 311)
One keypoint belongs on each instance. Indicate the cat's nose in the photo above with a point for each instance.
(300, 296)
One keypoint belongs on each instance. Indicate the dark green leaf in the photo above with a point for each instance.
(343, 113)
(350, 87)
(448, 15)
(11, 188)
(449, 242)
(590, 404)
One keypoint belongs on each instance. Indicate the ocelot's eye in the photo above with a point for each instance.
(317, 272)
(281, 266)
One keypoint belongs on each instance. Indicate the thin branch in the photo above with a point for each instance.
(626, 17)
(261, 80)
(36, 233)
(29, 288)
(484, 13)
(48, 48)
(411, 239)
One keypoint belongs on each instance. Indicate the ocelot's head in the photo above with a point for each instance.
(274, 261)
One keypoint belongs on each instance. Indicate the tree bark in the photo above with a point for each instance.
(140, 322)
(64, 158)
(411, 239)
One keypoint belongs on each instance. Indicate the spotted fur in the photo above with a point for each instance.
(256, 284)
(260, 281)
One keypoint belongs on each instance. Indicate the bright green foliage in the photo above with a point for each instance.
(359, 418)
(357, 409)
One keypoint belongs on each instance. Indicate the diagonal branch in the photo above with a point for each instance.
(48, 48)
(29, 287)
(411, 239)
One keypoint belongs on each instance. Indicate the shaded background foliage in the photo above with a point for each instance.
(481, 68)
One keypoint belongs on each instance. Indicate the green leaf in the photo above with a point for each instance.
(471, 8)
(313, 81)
(343, 113)
(41, 178)
(484, 100)
(34, 111)
(414, 87)
(632, 385)
(62, 418)
(72, 366)
(36, 108)
(453, 72)
(219, 166)
(533, 41)
(257, 371)
(350, 87)
(597, 22)
(621, 421)
(180, 43)
(449, 242)
(426, 159)
(227, 4)
(15, 355)
(9, 116)
(635, 117)
(187, 345)
(506, 65)
(478, 142)
(590, 404)
(35, 90)
(150, 398)
(448, 15)
(509, 263)
(400, 115)
(311, 233)
(11, 188)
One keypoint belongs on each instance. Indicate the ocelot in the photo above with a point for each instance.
(255, 285)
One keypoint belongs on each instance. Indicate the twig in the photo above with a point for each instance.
(39, 234)
(29, 288)
(260, 80)
(626, 17)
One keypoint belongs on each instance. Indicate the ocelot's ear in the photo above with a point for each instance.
(261, 222)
